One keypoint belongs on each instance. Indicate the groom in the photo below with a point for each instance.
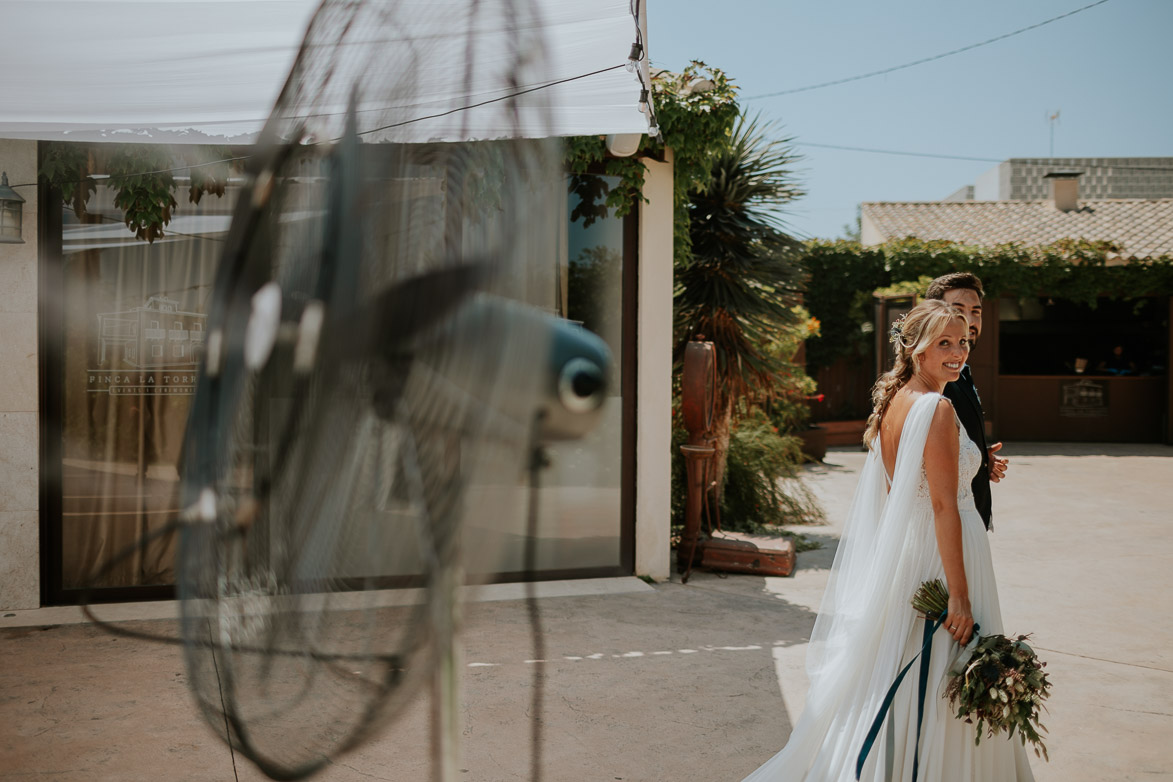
(963, 291)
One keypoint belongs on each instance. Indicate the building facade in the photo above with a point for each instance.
(1025, 179)
(96, 402)
(1051, 369)
(103, 333)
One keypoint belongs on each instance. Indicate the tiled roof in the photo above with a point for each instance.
(1139, 227)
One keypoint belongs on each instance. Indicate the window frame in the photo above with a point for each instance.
(51, 321)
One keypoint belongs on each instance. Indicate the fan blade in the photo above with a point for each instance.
(382, 325)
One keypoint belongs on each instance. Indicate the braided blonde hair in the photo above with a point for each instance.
(911, 336)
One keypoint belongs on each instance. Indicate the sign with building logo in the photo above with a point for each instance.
(149, 350)
(1083, 398)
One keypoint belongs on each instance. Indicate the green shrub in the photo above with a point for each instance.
(763, 485)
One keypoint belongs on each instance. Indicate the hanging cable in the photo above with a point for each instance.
(844, 147)
(523, 91)
(924, 60)
(894, 152)
(1025, 161)
(176, 169)
(637, 54)
(515, 94)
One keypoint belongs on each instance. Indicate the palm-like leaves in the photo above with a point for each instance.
(743, 280)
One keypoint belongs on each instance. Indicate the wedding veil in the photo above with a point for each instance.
(887, 548)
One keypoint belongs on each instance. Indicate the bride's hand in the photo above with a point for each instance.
(959, 620)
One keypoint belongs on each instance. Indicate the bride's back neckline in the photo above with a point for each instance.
(892, 428)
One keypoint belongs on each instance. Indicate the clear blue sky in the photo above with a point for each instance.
(1107, 70)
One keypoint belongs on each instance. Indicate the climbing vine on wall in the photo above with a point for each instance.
(843, 276)
(696, 111)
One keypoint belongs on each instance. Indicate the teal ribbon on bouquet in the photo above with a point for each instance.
(925, 654)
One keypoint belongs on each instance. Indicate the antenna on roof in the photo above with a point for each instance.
(1053, 119)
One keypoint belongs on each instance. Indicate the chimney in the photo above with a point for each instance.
(1065, 189)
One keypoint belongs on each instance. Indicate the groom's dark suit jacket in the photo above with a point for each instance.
(964, 396)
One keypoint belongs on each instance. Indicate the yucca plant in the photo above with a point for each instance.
(740, 286)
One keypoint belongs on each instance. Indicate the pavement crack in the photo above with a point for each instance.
(361, 773)
(1105, 660)
(1138, 711)
(46, 730)
(499, 765)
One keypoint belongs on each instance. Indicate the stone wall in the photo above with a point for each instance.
(19, 438)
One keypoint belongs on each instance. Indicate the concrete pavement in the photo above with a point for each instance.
(673, 682)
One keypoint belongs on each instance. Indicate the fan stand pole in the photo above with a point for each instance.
(538, 461)
(445, 677)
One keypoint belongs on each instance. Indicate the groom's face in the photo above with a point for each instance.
(968, 303)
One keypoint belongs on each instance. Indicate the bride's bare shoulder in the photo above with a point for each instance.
(944, 423)
(902, 404)
(904, 400)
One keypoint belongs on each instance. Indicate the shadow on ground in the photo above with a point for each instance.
(648, 685)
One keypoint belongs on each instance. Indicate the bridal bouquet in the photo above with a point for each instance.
(1002, 685)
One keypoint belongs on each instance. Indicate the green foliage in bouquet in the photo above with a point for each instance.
(932, 599)
(1003, 685)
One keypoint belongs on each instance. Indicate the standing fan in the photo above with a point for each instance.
(370, 361)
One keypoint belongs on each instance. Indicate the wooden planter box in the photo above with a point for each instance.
(738, 553)
(814, 442)
(844, 432)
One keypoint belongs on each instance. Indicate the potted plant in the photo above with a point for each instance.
(814, 437)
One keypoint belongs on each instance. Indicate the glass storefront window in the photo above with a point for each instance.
(583, 528)
(132, 333)
(133, 323)
(1045, 336)
(582, 500)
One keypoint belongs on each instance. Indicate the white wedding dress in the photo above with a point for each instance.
(866, 631)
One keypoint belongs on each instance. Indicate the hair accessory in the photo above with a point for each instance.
(896, 332)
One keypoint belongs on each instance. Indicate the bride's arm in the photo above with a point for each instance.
(941, 455)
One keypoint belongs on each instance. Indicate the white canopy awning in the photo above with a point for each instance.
(209, 71)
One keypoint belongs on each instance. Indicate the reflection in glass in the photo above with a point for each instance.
(582, 508)
(134, 325)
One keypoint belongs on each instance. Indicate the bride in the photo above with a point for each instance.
(912, 520)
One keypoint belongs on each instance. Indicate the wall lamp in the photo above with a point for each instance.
(11, 207)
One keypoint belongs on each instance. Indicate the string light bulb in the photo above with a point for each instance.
(634, 56)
